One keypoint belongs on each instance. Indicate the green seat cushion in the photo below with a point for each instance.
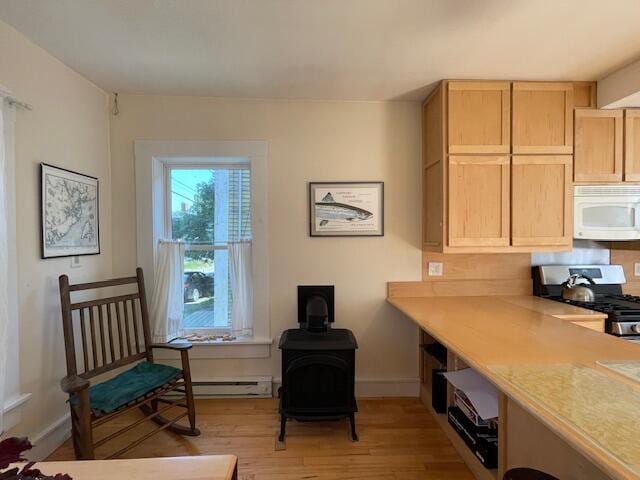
(130, 385)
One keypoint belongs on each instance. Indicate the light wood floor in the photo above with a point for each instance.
(399, 440)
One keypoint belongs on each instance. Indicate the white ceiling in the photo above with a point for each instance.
(327, 49)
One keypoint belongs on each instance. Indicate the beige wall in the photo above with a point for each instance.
(308, 141)
(68, 127)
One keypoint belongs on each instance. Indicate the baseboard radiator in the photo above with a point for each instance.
(230, 387)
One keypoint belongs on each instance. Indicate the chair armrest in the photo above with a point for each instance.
(170, 346)
(73, 384)
(183, 348)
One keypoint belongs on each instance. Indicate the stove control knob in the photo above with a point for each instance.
(635, 328)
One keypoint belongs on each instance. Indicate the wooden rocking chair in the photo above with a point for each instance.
(109, 330)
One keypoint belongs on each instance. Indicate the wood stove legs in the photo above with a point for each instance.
(283, 427)
(352, 420)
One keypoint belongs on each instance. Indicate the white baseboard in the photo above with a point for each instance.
(12, 410)
(47, 441)
(378, 387)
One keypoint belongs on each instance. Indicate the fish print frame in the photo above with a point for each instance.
(346, 209)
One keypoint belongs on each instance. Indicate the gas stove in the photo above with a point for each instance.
(623, 311)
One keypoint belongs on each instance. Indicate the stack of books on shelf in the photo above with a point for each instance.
(473, 394)
(463, 403)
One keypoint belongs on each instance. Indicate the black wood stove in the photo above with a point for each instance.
(318, 364)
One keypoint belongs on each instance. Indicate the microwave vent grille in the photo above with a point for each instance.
(606, 190)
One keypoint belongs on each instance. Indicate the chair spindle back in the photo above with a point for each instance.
(110, 332)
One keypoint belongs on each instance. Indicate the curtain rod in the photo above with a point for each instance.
(13, 100)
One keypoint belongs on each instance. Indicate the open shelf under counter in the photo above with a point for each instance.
(452, 363)
(478, 470)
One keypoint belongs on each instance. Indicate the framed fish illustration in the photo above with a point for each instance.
(346, 209)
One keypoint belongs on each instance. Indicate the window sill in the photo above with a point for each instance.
(11, 410)
(217, 349)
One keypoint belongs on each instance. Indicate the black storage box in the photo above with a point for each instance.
(439, 390)
(482, 441)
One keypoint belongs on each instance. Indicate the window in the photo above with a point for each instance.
(154, 162)
(209, 206)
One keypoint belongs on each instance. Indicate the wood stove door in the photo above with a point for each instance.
(317, 384)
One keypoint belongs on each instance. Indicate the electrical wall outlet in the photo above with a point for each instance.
(636, 269)
(435, 269)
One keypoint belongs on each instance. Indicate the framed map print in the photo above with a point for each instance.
(69, 213)
(346, 209)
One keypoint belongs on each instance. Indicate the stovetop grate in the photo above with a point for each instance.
(611, 305)
(627, 298)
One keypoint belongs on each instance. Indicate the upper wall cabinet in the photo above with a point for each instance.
(542, 118)
(475, 199)
(478, 118)
(598, 148)
(632, 145)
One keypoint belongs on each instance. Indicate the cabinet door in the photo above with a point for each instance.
(632, 145)
(542, 117)
(478, 117)
(542, 201)
(478, 195)
(598, 154)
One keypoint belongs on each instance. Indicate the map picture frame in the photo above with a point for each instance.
(346, 209)
(69, 213)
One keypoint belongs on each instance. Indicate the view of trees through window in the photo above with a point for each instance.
(210, 207)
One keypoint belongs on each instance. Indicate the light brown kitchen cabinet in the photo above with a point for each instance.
(598, 145)
(478, 117)
(632, 145)
(479, 201)
(541, 200)
(468, 177)
(542, 120)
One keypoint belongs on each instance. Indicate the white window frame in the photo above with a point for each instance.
(151, 160)
(212, 165)
(13, 398)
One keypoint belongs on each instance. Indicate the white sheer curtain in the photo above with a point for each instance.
(6, 129)
(167, 300)
(241, 279)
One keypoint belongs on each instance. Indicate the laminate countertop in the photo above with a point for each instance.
(547, 365)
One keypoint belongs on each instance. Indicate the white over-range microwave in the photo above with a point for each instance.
(606, 212)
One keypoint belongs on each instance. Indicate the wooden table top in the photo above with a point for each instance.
(487, 332)
(205, 467)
